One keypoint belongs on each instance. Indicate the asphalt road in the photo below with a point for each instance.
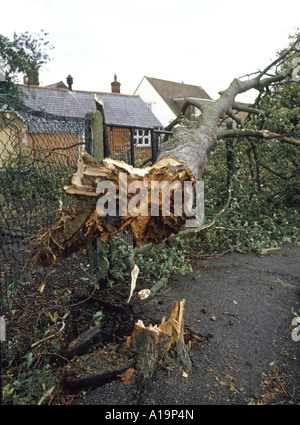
(241, 306)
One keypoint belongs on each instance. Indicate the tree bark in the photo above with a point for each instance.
(150, 344)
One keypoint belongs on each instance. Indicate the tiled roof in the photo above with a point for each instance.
(119, 109)
(170, 90)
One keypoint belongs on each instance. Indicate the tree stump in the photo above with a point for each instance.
(150, 344)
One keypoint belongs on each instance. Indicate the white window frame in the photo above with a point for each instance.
(142, 137)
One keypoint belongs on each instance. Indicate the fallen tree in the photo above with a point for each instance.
(182, 158)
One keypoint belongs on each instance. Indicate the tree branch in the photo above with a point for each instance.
(279, 58)
(260, 134)
(294, 173)
(237, 86)
(234, 117)
(245, 108)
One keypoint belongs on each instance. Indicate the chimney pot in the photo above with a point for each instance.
(115, 85)
(70, 82)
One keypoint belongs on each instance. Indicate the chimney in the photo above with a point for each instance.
(70, 82)
(115, 86)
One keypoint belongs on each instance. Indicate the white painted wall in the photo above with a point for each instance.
(159, 108)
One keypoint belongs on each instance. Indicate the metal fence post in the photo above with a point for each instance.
(153, 146)
(106, 149)
(132, 146)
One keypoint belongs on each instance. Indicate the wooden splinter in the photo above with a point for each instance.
(150, 344)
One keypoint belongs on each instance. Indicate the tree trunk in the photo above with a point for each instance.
(150, 344)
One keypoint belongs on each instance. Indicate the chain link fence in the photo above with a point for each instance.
(38, 154)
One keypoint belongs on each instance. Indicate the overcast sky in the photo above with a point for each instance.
(201, 42)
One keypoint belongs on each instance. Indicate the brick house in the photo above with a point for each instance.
(125, 116)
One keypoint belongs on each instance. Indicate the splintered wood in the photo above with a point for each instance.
(151, 344)
(144, 226)
(81, 223)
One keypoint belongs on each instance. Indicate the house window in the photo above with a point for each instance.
(142, 137)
